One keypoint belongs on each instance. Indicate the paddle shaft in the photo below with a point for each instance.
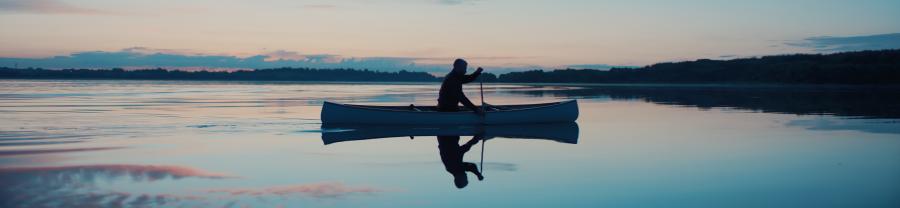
(482, 156)
(481, 88)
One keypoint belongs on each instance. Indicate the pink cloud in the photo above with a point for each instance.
(295, 56)
(47, 7)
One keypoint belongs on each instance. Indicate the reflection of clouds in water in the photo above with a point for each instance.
(316, 190)
(392, 98)
(50, 151)
(422, 95)
(87, 174)
(201, 126)
(104, 199)
(497, 166)
(13, 160)
(76, 185)
(27, 147)
(884, 126)
(22, 138)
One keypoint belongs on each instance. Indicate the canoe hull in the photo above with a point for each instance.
(334, 113)
(560, 132)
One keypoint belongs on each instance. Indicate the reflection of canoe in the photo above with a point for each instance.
(335, 113)
(560, 132)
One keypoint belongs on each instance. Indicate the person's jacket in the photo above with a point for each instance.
(451, 93)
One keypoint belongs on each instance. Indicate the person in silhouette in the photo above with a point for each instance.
(451, 93)
(452, 157)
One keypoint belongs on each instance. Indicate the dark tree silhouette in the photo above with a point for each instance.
(864, 67)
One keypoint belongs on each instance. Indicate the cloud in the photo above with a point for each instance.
(295, 56)
(597, 66)
(149, 51)
(46, 7)
(728, 56)
(849, 43)
(152, 58)
(142, 57)
(316, 190)
(190, 60)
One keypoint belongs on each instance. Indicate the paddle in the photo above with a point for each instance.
(481, 88)
(483, 109)
(482, 156)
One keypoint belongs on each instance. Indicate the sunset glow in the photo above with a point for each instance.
(429, 33)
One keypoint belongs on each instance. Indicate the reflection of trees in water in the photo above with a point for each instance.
(806, 100)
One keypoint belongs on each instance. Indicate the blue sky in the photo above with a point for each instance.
(428, 34)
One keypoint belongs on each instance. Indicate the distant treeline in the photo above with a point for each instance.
(864, 67)
(279, 74)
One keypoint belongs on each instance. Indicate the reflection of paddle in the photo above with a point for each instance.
(482, 156)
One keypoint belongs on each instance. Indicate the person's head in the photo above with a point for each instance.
(460, 179)
(460, 65)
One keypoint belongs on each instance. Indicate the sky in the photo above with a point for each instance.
(427, 35)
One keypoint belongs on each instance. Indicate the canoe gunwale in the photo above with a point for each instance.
(376, 108)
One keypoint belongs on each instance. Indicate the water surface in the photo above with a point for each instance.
(260, 144)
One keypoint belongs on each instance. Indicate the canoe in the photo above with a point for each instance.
(336, 113)
(559, 132)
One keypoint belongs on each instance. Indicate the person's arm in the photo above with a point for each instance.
(468, 145)
(466, 102)
(473, 76)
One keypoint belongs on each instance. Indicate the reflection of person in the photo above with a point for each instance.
(451, 93)
(452, 157)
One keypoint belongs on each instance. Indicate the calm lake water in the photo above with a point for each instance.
(260, 144)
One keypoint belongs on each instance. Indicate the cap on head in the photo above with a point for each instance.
(460, 64)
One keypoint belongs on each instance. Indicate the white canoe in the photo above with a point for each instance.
(336, 113)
